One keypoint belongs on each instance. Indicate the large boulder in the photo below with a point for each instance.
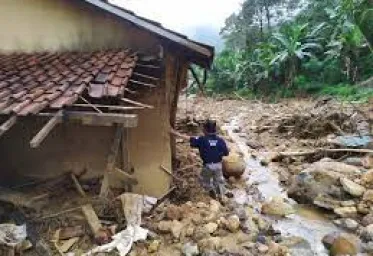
(322, 177)
(344, 245)
(233, 166)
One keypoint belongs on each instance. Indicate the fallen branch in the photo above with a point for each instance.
(322, 151)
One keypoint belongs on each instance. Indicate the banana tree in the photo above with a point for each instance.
(294, 44)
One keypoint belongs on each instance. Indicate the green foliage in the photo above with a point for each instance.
(269, 54)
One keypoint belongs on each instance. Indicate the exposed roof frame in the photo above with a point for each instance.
(207, 51)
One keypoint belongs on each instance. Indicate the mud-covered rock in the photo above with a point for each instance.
(233, 165)
(346, 211)
(367, 178)
(343, 245)
(278, 207)
(352, 188)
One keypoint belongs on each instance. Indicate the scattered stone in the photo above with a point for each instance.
(368, 247)
(211, 227)
(200, 233)
(329, 239)
(346, 212)
(190, 249)
(232, 223)
(368, 162)
(210, 244)
(367, 178)
(348, 223)
(201, 205)
(367, 233)
(176, 228)
(165, 226)
(215, 206)
(343, 246)
(262, 248)
(367, 220)
(348, 203)
(362, 208)
(326, 202)
(154, 246)
(368, 196)
(277, 207)
(352, 188)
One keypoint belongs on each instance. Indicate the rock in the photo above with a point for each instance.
(367, 178)
(348, 203)
(154, 246)
(356, 161)
(346, 211)
(173, 212)
(165, 226)
(367, 220)
(367, 233)
(277, 207)
(352, 188)
(329, 239)
(262, 248)
(211, 227)
(190, 249)
(215, 206)
(200, 233)
(368, 196)
(320, 178)
(233, 223)
(368, 247)
(233, 165)
(343, 246)
(349, 224)
(176, 228)
(326, 202)
(201, 205)
(362, 208)
(276, 249)
(210, 244)
(368, 162)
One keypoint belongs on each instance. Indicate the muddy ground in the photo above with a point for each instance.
(260, 218)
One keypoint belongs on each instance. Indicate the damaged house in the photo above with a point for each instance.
(89, 88)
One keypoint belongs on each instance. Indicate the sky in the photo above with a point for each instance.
(183, 15)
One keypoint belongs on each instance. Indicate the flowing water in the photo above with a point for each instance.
(307, 223)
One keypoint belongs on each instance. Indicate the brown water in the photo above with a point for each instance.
(307, 223)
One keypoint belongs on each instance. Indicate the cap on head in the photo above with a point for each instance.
(209, 126)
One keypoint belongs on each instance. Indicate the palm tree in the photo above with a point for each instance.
(294, 44)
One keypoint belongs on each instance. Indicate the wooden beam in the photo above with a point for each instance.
(113, 154)
(90, 104)
(7, 125)
(77, 185)
(130, 91)
(92, 118)
(92, 219)
(109, 107)
(147, 66)
(43, 133)
(143, 84)
(195, 76)
(136, 103)
(145, 76)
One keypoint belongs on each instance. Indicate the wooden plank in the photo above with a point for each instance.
(92, 219)
(136, 103)
(7, 125)
(142, 83)
(92, 118)
(43, 133)
(78, 186)
(113, 154)
(125, 176)
(109, 107)
(145, 76)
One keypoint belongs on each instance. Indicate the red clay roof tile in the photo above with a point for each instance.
(30, 83)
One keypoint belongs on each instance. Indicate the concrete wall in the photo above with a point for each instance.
(58, 25)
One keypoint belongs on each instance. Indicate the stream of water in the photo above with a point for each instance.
(307, 223)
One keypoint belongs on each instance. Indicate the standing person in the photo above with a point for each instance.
(212, 149)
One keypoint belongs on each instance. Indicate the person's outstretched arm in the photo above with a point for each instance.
(180, 135)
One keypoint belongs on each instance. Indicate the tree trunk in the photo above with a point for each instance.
(268, 15)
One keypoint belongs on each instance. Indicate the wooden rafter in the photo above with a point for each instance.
(47, 128)
(136, 103)
(146, 76)
(143, 84)
(7, 125)
(93, 118)
(109, 107)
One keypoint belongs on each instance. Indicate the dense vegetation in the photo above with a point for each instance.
(296, 47)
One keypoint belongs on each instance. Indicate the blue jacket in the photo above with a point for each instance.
(211, 148)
